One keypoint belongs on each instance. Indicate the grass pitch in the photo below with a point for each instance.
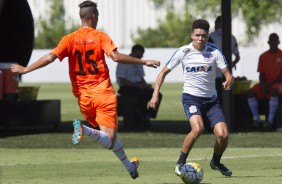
(255, 158)
(88, 166)
(50, 158)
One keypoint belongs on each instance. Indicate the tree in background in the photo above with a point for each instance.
(170, 31)
(52, 26)
(255, 13)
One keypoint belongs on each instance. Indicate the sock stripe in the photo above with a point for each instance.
(123, 158)
(118, 149)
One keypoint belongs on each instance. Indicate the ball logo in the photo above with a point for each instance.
(192, 109)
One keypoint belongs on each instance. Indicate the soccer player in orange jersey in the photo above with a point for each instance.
(91, 85)
(270, 82)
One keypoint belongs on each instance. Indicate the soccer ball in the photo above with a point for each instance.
(191, 173)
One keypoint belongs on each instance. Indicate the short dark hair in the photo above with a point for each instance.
(137, 47)
(87, 9)
(201, 24)
(273, 36)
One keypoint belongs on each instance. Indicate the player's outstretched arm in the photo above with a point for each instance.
(43, 61)
(126, 59)
(160, 79)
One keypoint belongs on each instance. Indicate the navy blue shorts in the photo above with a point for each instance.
(208, 108)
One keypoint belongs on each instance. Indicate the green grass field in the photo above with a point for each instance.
(51, 158)
(88, 166)
(255, 158)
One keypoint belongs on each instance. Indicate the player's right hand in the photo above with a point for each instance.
(153, 63)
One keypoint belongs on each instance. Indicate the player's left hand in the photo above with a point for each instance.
(227, 85)
(153, 102)
(15, 68)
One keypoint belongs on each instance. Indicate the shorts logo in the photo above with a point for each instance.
(192, 109)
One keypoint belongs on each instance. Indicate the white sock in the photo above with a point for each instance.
(98, 136)
(253, 104)
(273, 104)
(119, 152)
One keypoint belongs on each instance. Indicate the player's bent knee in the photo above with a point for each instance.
(198, 130)
(223, 136)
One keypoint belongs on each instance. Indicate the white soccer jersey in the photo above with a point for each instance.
(199, 68)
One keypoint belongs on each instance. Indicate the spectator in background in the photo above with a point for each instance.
(216, 38)
(130, 78)
(270, 82)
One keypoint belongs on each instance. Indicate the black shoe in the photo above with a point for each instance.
(268, 126)
(220, 167)
(257, 124)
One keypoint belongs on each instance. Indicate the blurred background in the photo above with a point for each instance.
(32, 28)
(159, 25)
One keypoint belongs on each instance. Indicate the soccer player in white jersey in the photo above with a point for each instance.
(199, 61)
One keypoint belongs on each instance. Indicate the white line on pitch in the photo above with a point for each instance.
(225, 157)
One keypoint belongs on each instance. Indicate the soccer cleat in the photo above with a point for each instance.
(134, 174)
(177, 169)
(220, 167)
(77, 132)
(268, 126)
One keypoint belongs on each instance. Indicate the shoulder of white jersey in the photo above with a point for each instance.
(186, 48)
(181, 50)
(211, 47)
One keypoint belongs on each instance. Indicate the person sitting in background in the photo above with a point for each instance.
(270, 82)
(130, 78)
(216, 38)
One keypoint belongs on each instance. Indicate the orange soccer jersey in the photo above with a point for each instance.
(89, 74)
